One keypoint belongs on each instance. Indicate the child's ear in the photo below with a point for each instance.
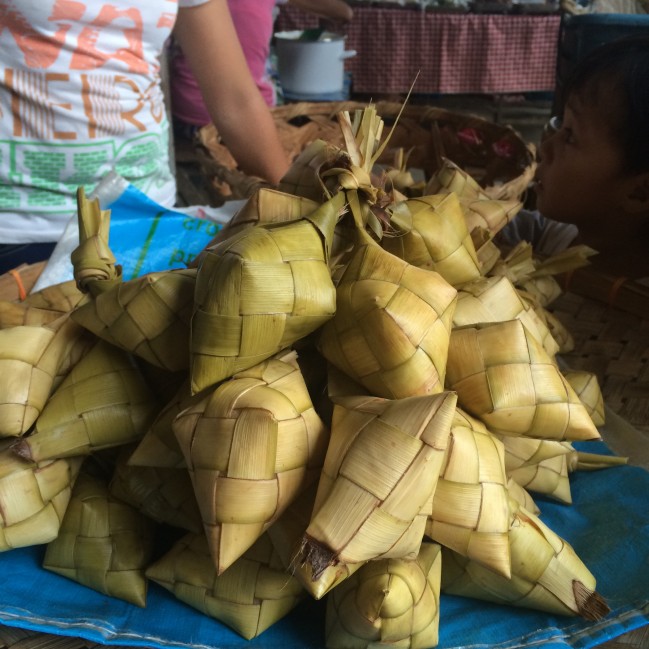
(637, 197)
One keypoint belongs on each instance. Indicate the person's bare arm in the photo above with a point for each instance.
(209, 42)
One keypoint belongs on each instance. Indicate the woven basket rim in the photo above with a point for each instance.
(495, 153)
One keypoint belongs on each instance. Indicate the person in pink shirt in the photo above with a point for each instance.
(253, 21)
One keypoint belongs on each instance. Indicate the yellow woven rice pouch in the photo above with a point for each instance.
(33, 498)
(381, 469)
(481, 210)
(251, 446)
(470, 512)
(547, 574)
(148, 316)
(32, 361)
(253, 594)
(431, 232)
(391, 327)
(388, 603)
(260, 291)
(103, 543)
(103, 402)
(495, 299)
(504, 377)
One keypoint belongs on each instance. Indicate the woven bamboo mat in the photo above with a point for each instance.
(13, 638)
(613, 344)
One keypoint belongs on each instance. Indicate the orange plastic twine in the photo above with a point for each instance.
(22, 293)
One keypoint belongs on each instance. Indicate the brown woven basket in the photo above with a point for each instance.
(494, 154)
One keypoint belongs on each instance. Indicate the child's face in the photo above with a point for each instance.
(580, 174)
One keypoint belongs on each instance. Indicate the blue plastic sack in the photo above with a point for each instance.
(144, 236)
(147, 237)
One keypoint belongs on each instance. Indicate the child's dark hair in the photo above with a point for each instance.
(617, 74)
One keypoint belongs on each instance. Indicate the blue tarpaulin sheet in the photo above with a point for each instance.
(607, 524)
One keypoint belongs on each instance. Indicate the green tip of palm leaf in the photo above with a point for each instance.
(104, 543)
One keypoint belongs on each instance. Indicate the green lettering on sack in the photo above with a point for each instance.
(147, 244)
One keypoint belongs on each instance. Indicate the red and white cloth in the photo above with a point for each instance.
(453, 53)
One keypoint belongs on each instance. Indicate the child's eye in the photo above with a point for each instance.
(555, 126)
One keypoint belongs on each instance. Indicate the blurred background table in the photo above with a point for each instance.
(454, 53)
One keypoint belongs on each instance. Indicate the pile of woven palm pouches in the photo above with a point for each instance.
(349, 396)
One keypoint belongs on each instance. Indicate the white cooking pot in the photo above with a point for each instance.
(307, 66)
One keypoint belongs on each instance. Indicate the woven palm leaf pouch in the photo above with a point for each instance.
(148, 316)
(32, 358)
(546, 573)
(33, 498)
(103, 543)
(250, 596)
(505, 378)
(388, 603)
(103, 402)
(431, 232)
(260, 291)
(381, 469)
(392, 323)
(251, 446)
(470, 512)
